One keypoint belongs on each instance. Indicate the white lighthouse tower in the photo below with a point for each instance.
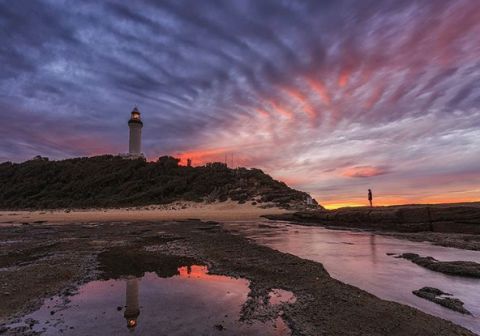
(135, 124)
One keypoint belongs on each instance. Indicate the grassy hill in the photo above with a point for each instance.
(111, 181)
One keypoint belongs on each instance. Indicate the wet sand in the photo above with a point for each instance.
(41, 260)
(220, 211)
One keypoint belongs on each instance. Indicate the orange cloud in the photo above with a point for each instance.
(280, 109)
(343, 78)
(262, 113)
(302, 99)
(320, 90)
(381, 200)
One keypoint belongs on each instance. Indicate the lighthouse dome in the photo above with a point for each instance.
(135, 116)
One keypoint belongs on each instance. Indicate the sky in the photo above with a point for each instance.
(332, 97)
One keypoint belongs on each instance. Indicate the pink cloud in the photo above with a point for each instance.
(364, 171)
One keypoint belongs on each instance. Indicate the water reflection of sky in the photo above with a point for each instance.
(190, 303)
(360, 259)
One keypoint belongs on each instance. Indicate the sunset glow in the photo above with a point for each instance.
(200, 273)
(332, 97)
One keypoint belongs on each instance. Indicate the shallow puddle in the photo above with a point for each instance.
(192, 302)
(278, 296)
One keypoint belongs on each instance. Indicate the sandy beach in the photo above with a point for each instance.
(219, 211)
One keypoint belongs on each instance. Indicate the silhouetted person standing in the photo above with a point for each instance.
(370, 197)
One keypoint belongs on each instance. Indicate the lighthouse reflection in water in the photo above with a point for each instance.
(132, 309)
(192, 302)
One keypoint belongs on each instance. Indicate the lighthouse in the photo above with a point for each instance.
(135, 125)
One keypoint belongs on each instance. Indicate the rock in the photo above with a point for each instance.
(219, 327)
(413, 215)
(435, 295)
(31, 322)
(434, 291)
(266, 226)
(409, 218)
(461, 268)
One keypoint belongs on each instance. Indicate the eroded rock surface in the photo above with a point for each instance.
(461, 268)
(410, 218)
(439, 297)
(323, 305)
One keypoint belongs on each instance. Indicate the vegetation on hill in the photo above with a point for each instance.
(111, 181)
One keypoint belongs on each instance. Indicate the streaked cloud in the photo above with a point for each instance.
(314, 92)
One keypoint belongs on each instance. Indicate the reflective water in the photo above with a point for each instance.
(360, 259)
(190, 303)
(278, 296)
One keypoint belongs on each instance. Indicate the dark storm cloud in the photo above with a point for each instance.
(289, 86)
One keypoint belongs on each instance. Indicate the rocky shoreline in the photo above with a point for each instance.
(447, 218)
(41, 260)
(450, 225)
(459, 268)
(441, 298)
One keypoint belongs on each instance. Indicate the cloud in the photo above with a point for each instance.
(364, 171)
(297, 88)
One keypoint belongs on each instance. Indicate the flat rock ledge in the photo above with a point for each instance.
(450, 218)
(437, 296)
(460, 268)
